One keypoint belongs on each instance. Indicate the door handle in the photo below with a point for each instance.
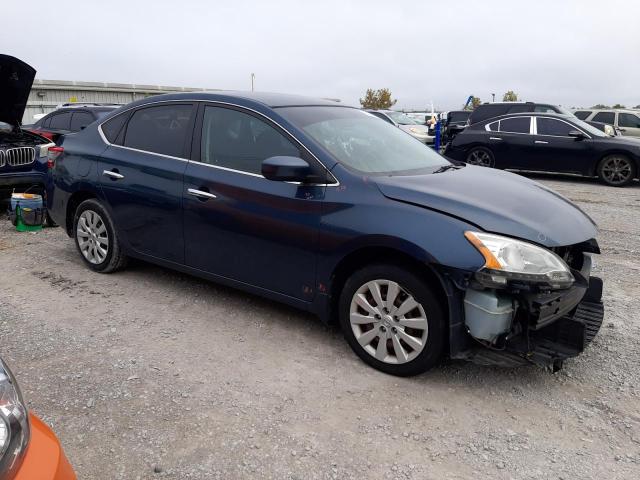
(200, 194)
(112, 174)
(495, 138)
(541, 142)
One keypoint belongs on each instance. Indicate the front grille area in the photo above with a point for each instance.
(1, 158)
(17, 157)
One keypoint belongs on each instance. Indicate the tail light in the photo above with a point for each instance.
(52, 155)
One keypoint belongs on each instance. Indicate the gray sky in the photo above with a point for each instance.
(568, 52)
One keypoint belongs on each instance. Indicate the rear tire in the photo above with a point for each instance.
(616, 170)
(95, 237)
(481, 156)
(407, 317)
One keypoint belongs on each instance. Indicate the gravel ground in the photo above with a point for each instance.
(150, 373)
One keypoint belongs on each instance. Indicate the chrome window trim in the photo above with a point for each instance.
(216, 102)
(486, 127)
(574, 127)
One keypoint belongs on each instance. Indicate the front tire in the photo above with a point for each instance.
(616, 170)
(392, 320)
(481, 156)
(96, 239)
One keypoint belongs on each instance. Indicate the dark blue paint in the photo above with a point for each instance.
(285, 241)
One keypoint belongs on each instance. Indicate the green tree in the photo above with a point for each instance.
(510, 96)
(600, 106)
(377, 99)
(617, 105)
(637, 106)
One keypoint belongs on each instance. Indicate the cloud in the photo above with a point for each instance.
(571, 52)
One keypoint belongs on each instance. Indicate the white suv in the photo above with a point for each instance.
(628, 121)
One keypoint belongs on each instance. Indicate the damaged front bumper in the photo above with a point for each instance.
(545, 328)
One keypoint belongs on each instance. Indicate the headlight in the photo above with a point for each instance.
(415, 130)
(507, 259)
(14, 424)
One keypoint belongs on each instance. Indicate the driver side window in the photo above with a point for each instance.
(239, 141)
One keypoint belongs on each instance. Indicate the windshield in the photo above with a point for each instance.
(362, 142)
(590, 129)
(402, 118)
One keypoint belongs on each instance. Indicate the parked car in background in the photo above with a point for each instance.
(405, 123)
(69, 119)
(605, 127)
(455, 122)
(29, 450)
(548, 142)
(627, 121)
(328, 209)
(488, 110)
(23, 155)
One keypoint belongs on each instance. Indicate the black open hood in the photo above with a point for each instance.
(16, 78)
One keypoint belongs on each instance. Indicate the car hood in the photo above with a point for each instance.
(497, 202)
(16, 78)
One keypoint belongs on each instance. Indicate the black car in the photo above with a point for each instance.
(69, 119)
(548, 142)
(455, 122)
(490, 110)
(329, 209)
(23, 155)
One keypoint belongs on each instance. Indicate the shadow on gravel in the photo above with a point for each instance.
(457, 374)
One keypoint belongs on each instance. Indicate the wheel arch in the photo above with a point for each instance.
(367, 255)
(72, 204)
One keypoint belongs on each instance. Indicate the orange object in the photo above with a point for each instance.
(44, 459)
(490, 260)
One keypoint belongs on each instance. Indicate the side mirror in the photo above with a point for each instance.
(286, 169)
(577, 134)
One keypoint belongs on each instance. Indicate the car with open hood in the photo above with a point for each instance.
(417, 129)
(328, 209)
(23, 155)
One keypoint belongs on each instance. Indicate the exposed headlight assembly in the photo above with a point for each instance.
(509, 260)
(14, 424)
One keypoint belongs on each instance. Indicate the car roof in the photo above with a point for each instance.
(273, 100)
(612, 110)
(563, 116)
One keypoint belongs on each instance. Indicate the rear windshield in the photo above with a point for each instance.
(459, 116)
(361, 142)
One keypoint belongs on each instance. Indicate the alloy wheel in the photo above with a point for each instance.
(617, 170)
(388, 322)
(480, 157)
(92, 236)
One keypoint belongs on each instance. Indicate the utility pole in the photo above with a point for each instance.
(493, 97)
(253, 76)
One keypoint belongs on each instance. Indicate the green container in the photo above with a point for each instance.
(28, 220)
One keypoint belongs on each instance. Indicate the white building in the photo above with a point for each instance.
(46, 95)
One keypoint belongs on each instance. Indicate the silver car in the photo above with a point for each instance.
(628, 121)
(406, 123)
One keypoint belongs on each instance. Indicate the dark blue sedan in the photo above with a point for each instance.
(328, 209)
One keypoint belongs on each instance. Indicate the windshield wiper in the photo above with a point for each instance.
(444, 168)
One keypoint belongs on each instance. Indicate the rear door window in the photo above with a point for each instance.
(628, 120)
(62, 121)
(79, 120)
(515, 125)
(160, 129)
(554, 127)
(605, 117)
(113, 129)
